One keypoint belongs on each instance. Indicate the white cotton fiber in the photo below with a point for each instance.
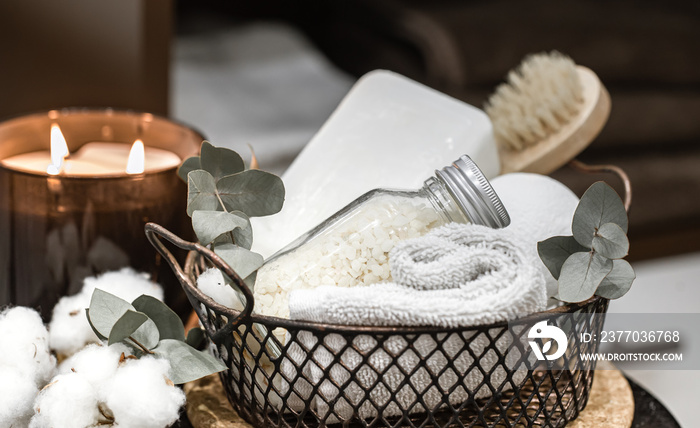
(69, 401)
(97, 363)
(140, 395)
(94, 386)
(25, 345)
(125, 283)
(540, 207)
(69, 328)
(17, 394)
(212, 283)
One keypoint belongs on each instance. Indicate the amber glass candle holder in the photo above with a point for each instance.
(57, 230)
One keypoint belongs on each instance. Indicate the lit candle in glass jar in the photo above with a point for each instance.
(93, 159)
(76, 188)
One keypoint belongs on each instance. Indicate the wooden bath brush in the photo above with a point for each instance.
(547, 112)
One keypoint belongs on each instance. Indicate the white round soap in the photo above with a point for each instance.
(539, 207)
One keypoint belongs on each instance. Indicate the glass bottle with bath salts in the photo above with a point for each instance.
(352, 247)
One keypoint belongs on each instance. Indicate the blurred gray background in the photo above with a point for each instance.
(267, 74)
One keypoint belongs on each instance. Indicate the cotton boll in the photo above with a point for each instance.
(125, 283)
(140, 396)
(69, 401)
(25, 345)
(69, 327)
(69, 330)
(17, 394)
(212, 283)
(96, 363)
(540, 207)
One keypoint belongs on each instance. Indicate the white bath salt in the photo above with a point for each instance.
(17, 394)
(141, 396)
(69, 328)
(25, 345)
(350, 254)
(69, 401)
(212, 283)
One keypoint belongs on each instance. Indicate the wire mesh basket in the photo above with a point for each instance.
(288, 373)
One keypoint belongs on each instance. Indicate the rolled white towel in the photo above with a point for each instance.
(457, 275)
(539, 207)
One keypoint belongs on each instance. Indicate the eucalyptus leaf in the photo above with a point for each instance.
(256, 193)
(105, 310)
(599, 205)
(201, 192)
(186, 363)
(222, 239)
(243, 235)
(250, 282)
(581, 275)
(137, 327)
(220, 161)
(555, 250)
(242, 261)
(618, 281)
(168, 323)
(195, 337)
(610, 241)
(126, 325)
(92, 326)
(209, 225)
(190, 164)
(147, 335)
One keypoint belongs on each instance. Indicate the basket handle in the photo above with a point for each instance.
(616, 170)
(154, 232)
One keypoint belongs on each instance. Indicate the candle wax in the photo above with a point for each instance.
(95, 158)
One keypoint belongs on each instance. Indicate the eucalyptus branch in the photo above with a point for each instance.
(151, 326)
(590, 261)
(143, 348)
(223, 207)
(216, 180)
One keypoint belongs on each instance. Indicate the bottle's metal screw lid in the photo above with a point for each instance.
(474, 193)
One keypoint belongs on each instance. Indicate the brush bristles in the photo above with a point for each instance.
(541, 95)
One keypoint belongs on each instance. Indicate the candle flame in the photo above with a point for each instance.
(137, 159)
(59, 150)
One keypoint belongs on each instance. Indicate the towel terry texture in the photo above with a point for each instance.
(455, 276)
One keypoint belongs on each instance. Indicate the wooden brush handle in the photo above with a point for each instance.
(562, 146)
